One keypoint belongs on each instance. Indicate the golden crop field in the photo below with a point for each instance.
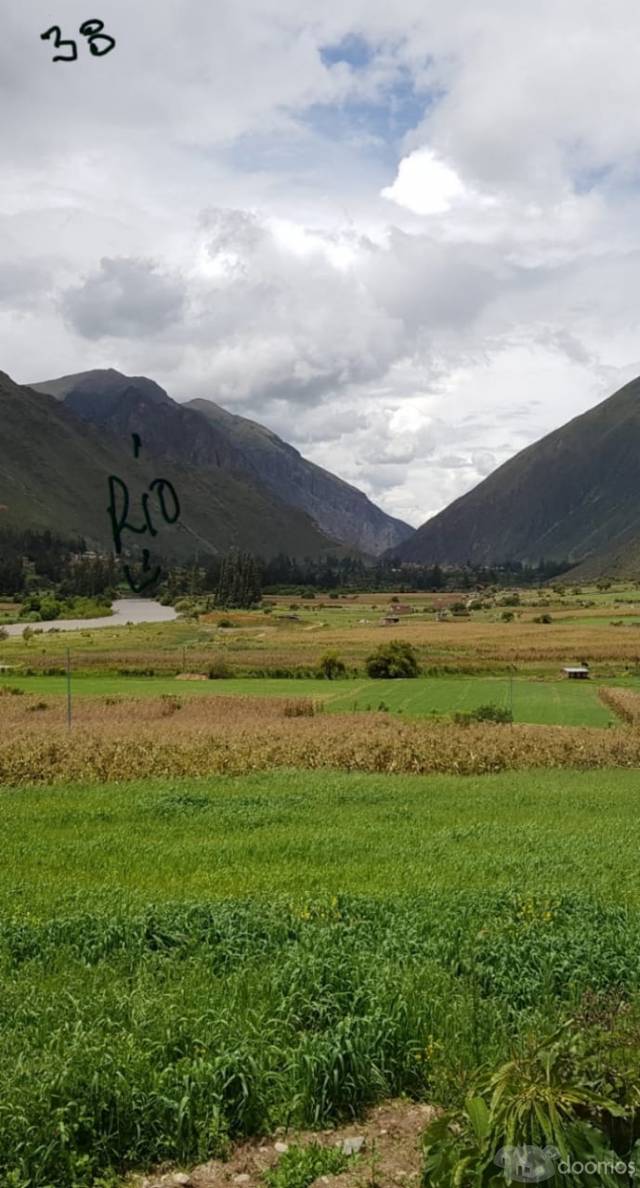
(131, 738)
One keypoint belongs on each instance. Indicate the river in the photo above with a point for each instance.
(125, 610)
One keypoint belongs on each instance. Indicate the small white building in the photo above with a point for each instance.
(577, 672)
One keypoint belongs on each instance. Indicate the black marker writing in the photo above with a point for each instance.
(92, 30)
(163, 493)
(58, 45)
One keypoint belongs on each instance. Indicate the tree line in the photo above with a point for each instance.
(31, 560)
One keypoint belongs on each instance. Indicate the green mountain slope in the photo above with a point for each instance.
(575, 494)
(54, 469)
(204, 434)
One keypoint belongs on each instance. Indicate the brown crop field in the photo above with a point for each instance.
(624, 702)
(129, 738)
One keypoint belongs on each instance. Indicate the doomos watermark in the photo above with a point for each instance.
(528, 1165)
(533, 1165)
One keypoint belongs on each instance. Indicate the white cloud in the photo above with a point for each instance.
(424, 184)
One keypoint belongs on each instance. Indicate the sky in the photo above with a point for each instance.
(405, 237)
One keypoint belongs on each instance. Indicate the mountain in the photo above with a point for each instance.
(54, 468)
(339, 509)
(574, 495)
(203, 434)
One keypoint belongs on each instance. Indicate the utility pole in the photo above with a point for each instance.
(68, 689)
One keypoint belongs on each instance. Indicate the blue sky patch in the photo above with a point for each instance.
(378, 125)
(353, 49)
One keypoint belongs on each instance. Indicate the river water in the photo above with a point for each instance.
(125, 610)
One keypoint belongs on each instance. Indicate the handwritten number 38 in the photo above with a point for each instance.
(92, 30)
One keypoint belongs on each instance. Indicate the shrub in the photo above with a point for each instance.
(393, 660)
(507, 616)
(484, 713)
(50, 608)
(4, 634)
(509, 600)
(543, 619)
(219, 670)
(331, 666)
(553, 1101)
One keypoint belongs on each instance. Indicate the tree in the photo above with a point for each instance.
(331, 666)
(240, 582)
(393, 660)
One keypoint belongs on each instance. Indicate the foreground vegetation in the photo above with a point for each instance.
(183, 962)
(278, 895)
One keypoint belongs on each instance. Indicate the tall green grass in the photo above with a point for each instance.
(134, 1037)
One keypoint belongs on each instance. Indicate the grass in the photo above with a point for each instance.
(317, 833)
(565, 703)
(187, 961)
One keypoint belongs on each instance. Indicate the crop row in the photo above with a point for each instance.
(624, 702)
(132, 739)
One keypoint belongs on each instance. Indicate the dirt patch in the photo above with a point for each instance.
(389, 1157)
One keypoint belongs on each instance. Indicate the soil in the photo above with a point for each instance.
(390, 1156)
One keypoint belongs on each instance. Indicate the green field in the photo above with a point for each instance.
(565, 703)
(305, 833)
(182, 960)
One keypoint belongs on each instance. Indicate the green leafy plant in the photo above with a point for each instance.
(539, 1117)
(300, 1166)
